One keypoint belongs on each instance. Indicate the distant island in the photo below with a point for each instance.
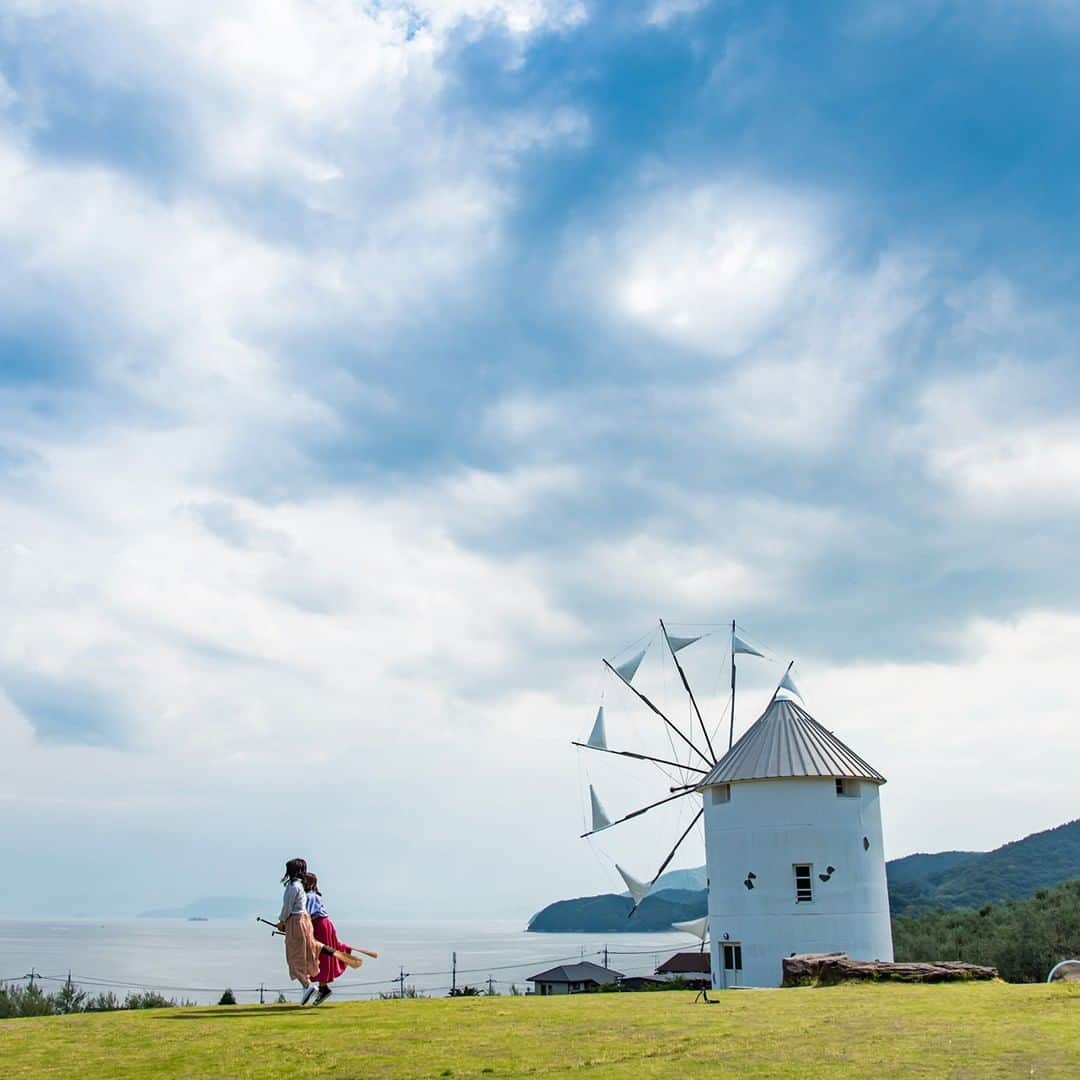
(610, 914)
(209, 907)
(917, 884)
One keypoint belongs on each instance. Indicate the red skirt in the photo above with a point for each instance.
(330, 967)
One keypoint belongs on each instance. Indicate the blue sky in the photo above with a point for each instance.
(368, 370)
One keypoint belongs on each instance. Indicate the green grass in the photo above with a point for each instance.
(975, 1030)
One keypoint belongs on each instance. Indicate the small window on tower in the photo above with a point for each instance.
(721, 793)
(804, 883)
(847, 789)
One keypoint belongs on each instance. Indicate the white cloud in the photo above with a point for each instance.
(478, 498)
(1012, 469)
(309, 92)
(713, 266)
(241, 647)
(999, 441)
(519, 16)
(663, 12)
(648, 572)
(978, 751)
(782, 334)
(362, 634)
(338, 108)
(423, 642)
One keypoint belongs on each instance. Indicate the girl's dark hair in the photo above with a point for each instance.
(295, 869)
(311, 883)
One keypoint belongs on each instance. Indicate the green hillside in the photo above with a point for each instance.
(983, 1031)
(609, 913)
(1011, 872)
(921, 866)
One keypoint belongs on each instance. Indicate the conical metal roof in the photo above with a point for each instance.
(786, 741)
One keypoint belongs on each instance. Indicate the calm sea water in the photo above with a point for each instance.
(197, 960)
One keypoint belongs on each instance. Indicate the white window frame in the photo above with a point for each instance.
(795, 867)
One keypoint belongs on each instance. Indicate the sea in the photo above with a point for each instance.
(196, 961)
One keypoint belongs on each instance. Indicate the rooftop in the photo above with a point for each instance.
(574, 973)
(786, 741)
(686, 963)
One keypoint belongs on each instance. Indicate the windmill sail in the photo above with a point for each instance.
(737, 646)
(698, 927)
(679, 643)
(674, 644)
(598, 738)
(788, 683)
(628, 668)
(637, 889)
(600, 820)
(740, 646)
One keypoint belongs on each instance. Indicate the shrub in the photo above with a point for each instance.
(151, 999)
(105, 1002)
(25, 1001)
(69, 998)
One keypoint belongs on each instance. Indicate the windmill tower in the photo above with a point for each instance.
(793, 837)
(793, 847)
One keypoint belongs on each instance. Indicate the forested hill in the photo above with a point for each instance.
(1011, 872)
(921, 866)
(608, 914)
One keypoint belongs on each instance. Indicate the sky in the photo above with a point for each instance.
(370, 370)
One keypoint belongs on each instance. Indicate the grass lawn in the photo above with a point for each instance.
(978, 1031)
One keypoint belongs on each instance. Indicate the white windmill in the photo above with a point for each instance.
(793, 838)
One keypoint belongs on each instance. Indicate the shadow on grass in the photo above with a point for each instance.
(227, 1012)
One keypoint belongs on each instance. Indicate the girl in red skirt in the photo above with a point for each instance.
(330, 967)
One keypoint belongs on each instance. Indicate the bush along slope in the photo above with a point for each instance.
(20, 1001)
(1023, 939)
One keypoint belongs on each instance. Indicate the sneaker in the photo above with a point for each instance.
(309, 993)
(324, 993)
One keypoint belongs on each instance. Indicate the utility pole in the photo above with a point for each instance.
(605, 956)
(262, 999)
(31, 977)
(453, 975)
(491, 987)
(401, 980)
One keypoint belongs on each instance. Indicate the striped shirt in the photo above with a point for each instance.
(315, 907)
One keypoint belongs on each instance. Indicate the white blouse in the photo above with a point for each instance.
(294, 901)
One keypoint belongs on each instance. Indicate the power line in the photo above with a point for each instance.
(358, 988)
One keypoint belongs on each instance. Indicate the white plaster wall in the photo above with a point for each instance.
(767, 827)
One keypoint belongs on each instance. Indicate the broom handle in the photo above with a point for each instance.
(365, 952)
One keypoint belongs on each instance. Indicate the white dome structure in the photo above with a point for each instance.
(793, 847)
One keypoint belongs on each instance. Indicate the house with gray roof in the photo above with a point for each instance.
(574, 978)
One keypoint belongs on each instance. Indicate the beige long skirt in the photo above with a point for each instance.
(301, 948)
